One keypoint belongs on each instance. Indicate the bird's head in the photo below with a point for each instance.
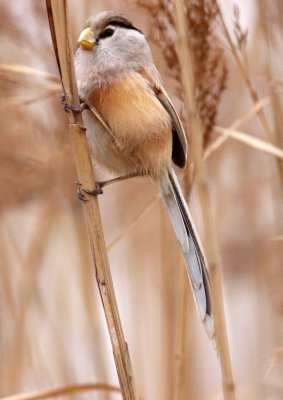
(110, 46)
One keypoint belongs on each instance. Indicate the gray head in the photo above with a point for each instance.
(109, 48)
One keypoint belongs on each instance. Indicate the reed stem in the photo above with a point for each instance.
(59, 21)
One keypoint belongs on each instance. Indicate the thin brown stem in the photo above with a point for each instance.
(62, 391)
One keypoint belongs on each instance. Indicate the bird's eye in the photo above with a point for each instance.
(107, 33)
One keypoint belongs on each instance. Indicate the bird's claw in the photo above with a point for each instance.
(81, 196)
(94, 192)
(68, 107)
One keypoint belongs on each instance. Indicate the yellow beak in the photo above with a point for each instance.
(87, 39)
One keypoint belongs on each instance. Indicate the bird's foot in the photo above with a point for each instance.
(68, 107)
(95, 192)
(81, 196)
(99, 185)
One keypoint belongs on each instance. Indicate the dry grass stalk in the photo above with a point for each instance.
(245, 74)
(277, 356)
(252, 91)
(274, 95)
(60, 29)
(5, 281)
(38, 84)
(251, 141)
(30, 267)
(186, 62)
(240, 34)
(236, 124)
(18, 349)
(27, 70)
(63, 391)
(129, 227)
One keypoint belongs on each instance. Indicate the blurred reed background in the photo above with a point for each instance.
(53, 331)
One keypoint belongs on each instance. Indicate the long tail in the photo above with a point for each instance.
(192, 250)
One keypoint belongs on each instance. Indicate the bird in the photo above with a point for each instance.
(133, 128)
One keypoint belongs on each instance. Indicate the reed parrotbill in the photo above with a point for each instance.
(141, 133)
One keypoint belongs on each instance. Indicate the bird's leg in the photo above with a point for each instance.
(68, 107)
(99, 185)
(119, 179)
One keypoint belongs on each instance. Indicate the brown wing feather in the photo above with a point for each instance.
(179, 150)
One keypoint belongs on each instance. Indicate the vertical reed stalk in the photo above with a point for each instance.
(179, 362)
(89, 298)
(274, 96)
(182, 311)
(30, 265)
(60, 30)
(187, 75)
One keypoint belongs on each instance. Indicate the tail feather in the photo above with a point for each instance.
(190, 244)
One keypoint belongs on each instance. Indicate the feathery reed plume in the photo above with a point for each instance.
(210, 69)
(59, 22)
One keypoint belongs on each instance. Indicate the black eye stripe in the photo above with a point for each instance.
(125, 25)
(110, 31)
